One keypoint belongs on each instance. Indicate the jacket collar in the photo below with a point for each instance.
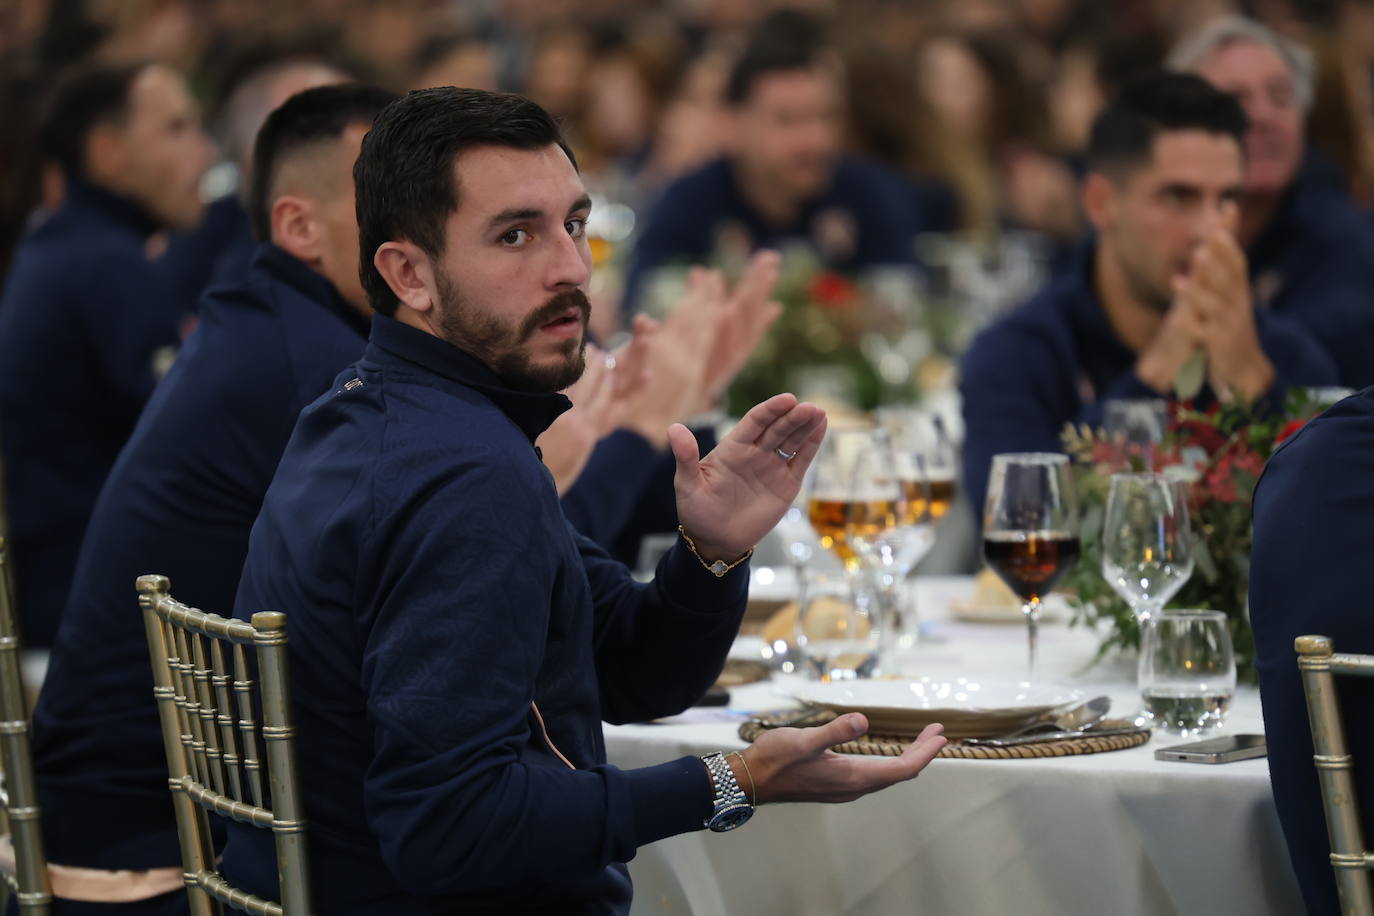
(531, 411)
(311, 284)
(1102, 355)
(86, 198)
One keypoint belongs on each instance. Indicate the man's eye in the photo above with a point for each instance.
(515, 237)
(576, 227)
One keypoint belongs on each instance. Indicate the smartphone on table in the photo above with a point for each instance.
(1225, 749)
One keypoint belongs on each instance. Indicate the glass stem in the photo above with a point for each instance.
(1032, 611)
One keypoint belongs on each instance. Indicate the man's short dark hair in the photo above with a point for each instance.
(782, 41)
(1124, 133)
(405, 182)
(85, 98)
(307, 118)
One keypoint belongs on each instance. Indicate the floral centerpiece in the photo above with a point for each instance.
(858, 340)
(1220, 452)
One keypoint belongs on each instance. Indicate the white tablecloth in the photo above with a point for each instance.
(1114, 833)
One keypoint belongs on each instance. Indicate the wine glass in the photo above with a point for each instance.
(800, 540)
(1147, 541)
(853, 493)
(1138, 424)
(926, 460)
(924, 464)
(1030, 529)
(1187, 670)
(857, 505)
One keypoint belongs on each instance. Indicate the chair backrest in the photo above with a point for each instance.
(29, 880)
(1349, 857)
(206, 693)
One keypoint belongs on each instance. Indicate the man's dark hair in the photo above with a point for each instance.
(305, 119)
(85, 98)
(405, 181)
(782, 41)
(1124, 133)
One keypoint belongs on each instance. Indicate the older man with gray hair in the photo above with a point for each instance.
(1311, 254)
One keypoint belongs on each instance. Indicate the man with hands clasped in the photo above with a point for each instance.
(455, 643)
(1155, 305)
(1210, 319)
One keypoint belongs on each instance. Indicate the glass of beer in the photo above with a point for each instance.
(1030, 529)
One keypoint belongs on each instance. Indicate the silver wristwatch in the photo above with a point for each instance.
(731, 807)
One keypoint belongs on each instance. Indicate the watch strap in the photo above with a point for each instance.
(728, 794)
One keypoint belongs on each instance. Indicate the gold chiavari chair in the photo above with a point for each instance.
(1349, 857)
(205, 694)
(28, 880)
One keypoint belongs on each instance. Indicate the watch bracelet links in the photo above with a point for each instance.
(719, 568)
(726, 786)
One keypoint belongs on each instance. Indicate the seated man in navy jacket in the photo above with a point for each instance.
(1311, 251)
(1162, 286)
(786, 178)
(185, 490)
(85, 311)
(1308, 577)
(454, 642)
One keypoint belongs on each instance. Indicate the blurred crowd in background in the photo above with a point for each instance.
(984, 105)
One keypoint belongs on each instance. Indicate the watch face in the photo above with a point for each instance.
(730, 818)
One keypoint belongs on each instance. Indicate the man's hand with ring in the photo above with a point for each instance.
(732, 498)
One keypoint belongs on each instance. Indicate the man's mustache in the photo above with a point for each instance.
(554, 309)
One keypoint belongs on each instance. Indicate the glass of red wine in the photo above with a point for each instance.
(1030, 528)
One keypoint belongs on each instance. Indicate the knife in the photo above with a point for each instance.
(1053, 736)
(1071, 719)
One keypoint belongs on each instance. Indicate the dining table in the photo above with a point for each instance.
(1117, 832)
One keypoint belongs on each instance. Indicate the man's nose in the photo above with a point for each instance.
(570, 264)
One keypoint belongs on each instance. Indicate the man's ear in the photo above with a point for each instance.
(1099, 199)
(295, 229)
(407, 270)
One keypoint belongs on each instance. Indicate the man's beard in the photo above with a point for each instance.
(499, 345)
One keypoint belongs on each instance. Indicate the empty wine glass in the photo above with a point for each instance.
(1138, 424)
(1030, 529)
(1147, 541)
(800, 541)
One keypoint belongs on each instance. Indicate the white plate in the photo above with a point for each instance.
(967, 706)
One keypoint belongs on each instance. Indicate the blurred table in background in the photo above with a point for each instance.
(1118, 832)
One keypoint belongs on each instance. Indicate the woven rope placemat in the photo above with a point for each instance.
(889, 746)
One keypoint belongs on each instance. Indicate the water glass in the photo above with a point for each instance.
(836, 633)
(1187, 671)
